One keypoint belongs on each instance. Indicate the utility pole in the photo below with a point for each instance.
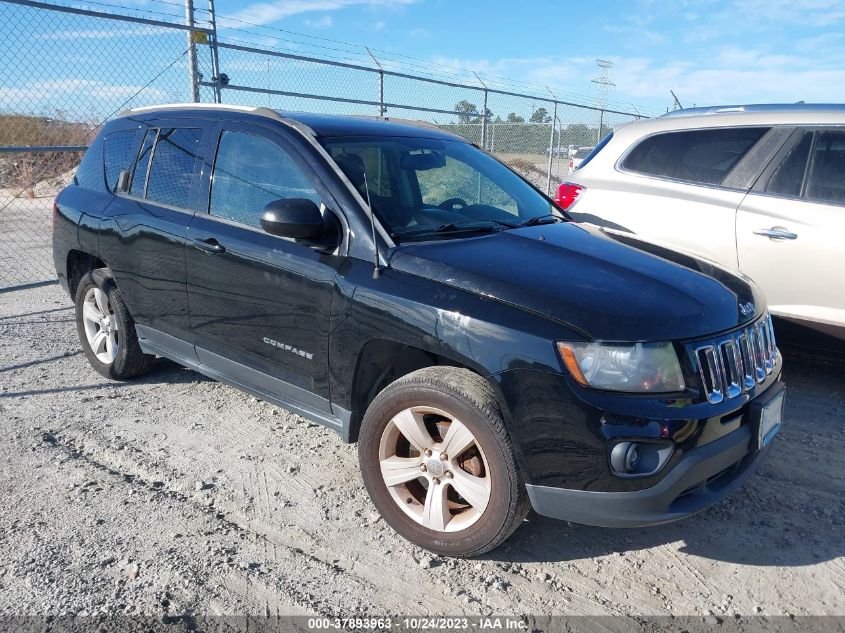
(603, 84)
(192, 52)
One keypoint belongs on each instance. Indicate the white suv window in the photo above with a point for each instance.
(698, 156)
(826, 179)
(788, 178)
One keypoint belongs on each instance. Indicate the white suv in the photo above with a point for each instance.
(758, 188)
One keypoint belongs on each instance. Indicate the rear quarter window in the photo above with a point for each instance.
(119, 149)
(826, 178)
(89, 174)
(698, 156)
(590, 154)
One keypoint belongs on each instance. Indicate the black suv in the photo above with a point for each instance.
(402, 286)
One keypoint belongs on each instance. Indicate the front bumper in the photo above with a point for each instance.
(702, 477)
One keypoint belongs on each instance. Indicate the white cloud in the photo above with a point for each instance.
(322, 23)
(269, 12)
(90, 88)
(732, 75)
(817, 13)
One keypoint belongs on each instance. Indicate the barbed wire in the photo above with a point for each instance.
(351, 52)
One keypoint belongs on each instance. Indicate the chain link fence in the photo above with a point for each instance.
(64, 70)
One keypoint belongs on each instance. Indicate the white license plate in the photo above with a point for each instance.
(771, 417)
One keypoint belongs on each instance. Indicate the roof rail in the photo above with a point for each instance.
(394, 119)
(189, 106)
(757, 107)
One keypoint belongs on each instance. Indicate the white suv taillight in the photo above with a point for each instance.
(566, 195)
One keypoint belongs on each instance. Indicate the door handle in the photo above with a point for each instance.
(209, 245)
(777, 233)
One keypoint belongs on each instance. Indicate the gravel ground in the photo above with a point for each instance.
(175, 494)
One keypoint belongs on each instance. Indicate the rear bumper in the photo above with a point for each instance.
(702, 477)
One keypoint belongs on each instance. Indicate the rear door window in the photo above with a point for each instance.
(89, 174)
(697, 156)
(826, 177)
(172, 170)
(139, 174)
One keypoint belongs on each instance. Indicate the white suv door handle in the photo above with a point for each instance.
(777, 233)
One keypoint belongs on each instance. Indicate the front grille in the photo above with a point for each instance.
(736, 362)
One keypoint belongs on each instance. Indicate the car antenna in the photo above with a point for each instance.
(377, 268)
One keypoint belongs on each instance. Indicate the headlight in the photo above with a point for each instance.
(638, 367)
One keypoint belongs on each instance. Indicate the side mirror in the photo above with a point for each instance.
(122, 185)
(297, 218)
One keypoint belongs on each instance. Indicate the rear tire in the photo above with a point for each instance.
(106, 329)
(438, 464)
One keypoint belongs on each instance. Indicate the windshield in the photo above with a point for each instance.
(420, 187)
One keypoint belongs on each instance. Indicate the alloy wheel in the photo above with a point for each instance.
(100, 325)
(434, 469)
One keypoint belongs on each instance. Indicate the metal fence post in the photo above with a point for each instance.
(559, 139)
(551, 144)
(381, 108)
(601, 125)
(215, 60)
(483, 113)
(192, 52)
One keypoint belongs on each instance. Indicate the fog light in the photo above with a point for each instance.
(625, 457)
(639, 459)
(632, 458)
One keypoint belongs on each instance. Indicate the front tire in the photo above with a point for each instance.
(438, 463)
(106, 330)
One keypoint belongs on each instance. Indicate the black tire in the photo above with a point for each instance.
(471, 400)
(129, 360)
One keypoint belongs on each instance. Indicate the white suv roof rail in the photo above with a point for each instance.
(759, 108)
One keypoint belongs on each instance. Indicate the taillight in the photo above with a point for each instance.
(567, 194)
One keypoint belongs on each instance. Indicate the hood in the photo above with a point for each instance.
(611, 286)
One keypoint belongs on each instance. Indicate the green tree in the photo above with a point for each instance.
(466, 111)
(487, 112)
(579, 134)
(540, 115)
(515, 118)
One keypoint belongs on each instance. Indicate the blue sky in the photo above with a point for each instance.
(708, 51)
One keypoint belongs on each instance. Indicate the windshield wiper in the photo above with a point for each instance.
(460, 226)
(548, 218)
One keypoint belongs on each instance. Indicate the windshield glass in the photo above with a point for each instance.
(420, 187)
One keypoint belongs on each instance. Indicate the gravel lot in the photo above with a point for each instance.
(174, 494)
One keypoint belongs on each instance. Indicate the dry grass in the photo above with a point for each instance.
(24, 170)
